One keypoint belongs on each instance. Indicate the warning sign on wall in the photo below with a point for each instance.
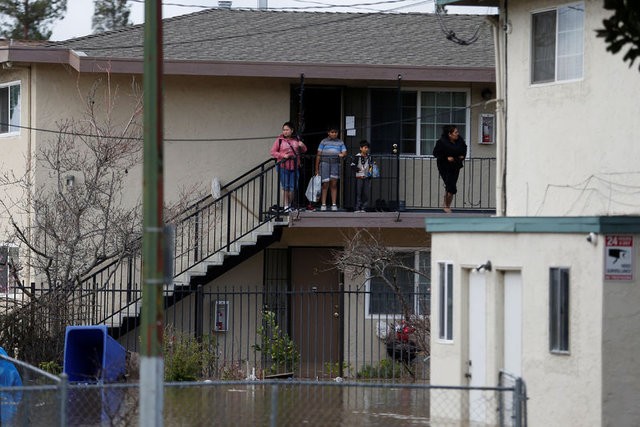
(618, 257)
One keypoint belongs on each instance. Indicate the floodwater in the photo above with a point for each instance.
(296, 405)
(275, 403)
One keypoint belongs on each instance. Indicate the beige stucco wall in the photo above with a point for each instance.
(571, 146)
(561, 388)
(225, 125)
(15, 148)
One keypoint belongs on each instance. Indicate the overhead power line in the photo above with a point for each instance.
(244, 138)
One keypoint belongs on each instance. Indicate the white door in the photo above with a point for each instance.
(477, 346)
(513, 323)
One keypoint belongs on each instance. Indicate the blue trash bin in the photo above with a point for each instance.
(91, 355)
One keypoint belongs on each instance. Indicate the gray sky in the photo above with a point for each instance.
(79, 12)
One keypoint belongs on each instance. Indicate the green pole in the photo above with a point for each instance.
(151, 362)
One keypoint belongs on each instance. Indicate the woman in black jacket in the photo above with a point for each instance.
(450, 151)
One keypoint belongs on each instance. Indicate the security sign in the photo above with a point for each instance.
(618, 257)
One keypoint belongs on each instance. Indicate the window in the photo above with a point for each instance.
(424, 113)
(438, 109)
(8, 258)
(557, 44)
(9, 108)
(414, 288)
(445, 303)
(559, 310)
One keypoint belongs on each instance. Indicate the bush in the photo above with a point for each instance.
(51, 367)
(276, 345)
(187, 359)
(384, 369)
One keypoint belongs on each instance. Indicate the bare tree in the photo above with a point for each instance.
(75, 216)
(366, 256)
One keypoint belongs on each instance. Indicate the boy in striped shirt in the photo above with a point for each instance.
(330, 153)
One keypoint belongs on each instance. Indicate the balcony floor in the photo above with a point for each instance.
(347, 219)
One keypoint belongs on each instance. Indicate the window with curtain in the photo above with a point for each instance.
(557, 44)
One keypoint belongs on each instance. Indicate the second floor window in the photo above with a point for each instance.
(9, 108)
(557, 44)
(422, 113)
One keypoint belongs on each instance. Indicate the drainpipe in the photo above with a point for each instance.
(29, 171)
(499, 39)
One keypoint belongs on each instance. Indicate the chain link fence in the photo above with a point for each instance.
(259, 403)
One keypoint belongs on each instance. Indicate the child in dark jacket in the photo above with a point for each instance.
(363, 166)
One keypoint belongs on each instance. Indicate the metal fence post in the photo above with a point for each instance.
(199, 308)
(518, 403)
(64, 397)
(274, 406)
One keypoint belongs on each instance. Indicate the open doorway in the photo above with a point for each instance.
(320, 107)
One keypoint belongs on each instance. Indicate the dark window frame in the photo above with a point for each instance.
(559, 310)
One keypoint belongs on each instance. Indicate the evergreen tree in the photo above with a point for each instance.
(30, 19)
(110, 15)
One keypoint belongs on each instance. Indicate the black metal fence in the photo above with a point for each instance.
(303, 334)
(331, 333)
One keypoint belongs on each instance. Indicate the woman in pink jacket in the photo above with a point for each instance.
(287, 150)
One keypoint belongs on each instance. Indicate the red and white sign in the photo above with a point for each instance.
(618, 257)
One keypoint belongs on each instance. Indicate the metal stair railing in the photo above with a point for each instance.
(205, 230)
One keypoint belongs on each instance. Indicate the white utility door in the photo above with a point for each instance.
(477, 346)
(513, 323)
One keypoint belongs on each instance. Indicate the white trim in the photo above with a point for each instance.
(436, 320)
(467, 126)
(9, 132)
(555, 81)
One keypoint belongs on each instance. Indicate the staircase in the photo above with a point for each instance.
(208, 238)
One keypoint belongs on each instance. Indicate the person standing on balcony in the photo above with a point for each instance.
(287, 150)
(363, 167)
(330, 153)
(450, 151)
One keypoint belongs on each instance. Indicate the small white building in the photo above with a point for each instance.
(548, 290)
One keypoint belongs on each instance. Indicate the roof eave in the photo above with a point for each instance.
(88, 64)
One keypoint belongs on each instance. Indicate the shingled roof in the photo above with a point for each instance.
(269, 43)
(312, 37)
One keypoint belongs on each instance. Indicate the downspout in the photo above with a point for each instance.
(499, 38)
(29, 171)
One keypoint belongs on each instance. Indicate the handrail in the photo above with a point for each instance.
(227, 185)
